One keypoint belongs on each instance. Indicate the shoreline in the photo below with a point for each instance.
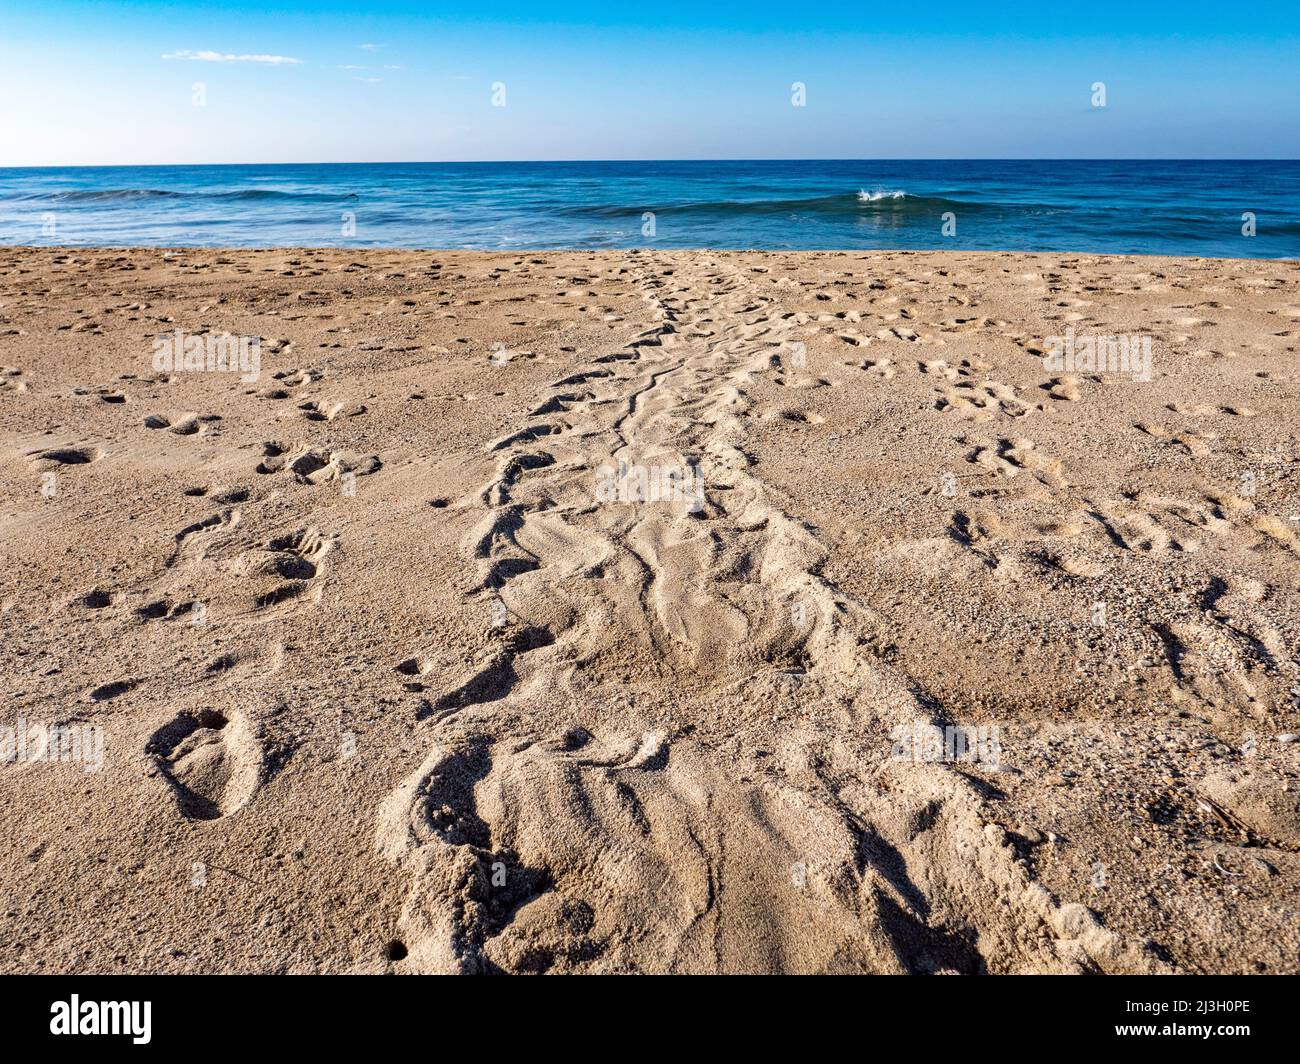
(647, 250)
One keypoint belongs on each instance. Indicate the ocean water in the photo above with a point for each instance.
(1122, 207)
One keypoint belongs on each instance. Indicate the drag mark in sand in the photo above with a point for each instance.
(631, 846)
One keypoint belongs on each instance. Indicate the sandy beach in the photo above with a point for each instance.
(642, 611)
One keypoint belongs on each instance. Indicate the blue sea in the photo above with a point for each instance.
(1122, 207)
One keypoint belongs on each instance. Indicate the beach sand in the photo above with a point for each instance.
(394, 670)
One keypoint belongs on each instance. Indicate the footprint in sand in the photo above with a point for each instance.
(213, 761)
(319, 411)
(798, 417)
(95, 599)
(193, 540)
(882, 368)
(418, 665)
(1151, 524)
(59, 457)
(1193, 443)
(258, 661)
(940, 368)
(183, 424)
(910, 336)
(1073, 564)
(980, 402)
(298, 561)
(314, 465)
(164, 609)
(298, 378)
(1013, 456)
(1276, 530)
(296, 556)
(1063, 388)
(1208, 667)
(108, 691)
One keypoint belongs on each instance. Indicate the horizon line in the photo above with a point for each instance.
(571, 162)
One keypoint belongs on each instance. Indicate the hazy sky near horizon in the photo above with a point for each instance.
(109, 82)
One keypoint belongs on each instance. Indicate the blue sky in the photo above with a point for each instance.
(88, 83)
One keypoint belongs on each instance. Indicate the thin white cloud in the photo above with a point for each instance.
(352, 66)
(368, 47)
(226, 57)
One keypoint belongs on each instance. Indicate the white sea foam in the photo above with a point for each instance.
(871, 197)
